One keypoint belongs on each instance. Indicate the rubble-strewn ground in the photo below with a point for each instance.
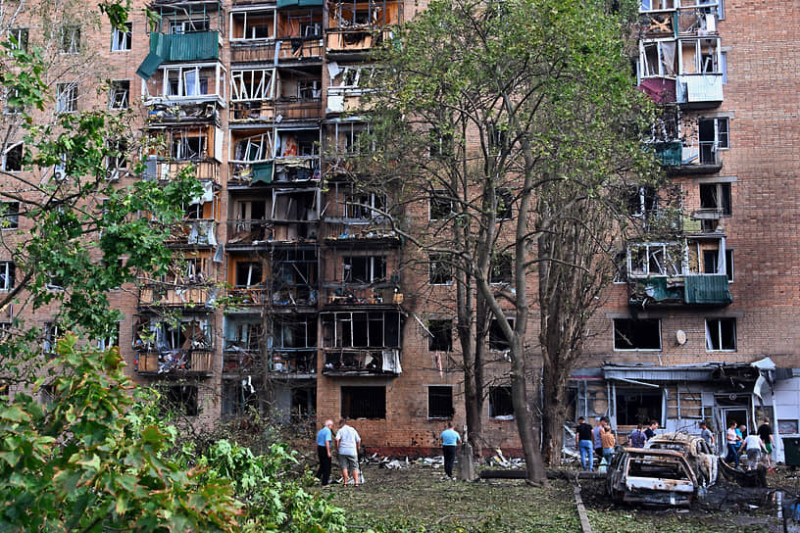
(414, 499)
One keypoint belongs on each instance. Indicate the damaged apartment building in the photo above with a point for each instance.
(290, 293)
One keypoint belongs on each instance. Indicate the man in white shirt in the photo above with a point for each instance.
(754, 447)
(347, 440)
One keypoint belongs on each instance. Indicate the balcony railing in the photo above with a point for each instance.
(367, 362)
(699, 90)
(193, 233)
(286, 50)
(689, 157)
(166, 169)
(269, 110)
(354, 40)
(281, 172)
(180, 362)
(293, 361)
(344, 235)
(248, 296)
(174, 295)
(348, 294)
(709, 290)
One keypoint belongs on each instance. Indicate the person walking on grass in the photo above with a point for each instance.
(754, 447)
(347, 440)
(583, 441)
(450, 439)
(324, 438)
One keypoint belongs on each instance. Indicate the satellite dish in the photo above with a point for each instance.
(680, 336)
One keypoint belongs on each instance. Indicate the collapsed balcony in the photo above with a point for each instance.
(182, 346)
(357, 26)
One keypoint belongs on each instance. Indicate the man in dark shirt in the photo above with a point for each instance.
(650, 432)
(583, 440)
(765, 434)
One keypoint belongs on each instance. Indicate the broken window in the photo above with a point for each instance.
(254, 148)
(657, 59)
(252, 25)
(497, 339)
(110, 341)
(642, 202)
(364, 402)
(352, 77)
(179, 27)
(716, 198)
(252, 84)
(298, 143)
(18, 37)
(500, 404)
(249, 273)
(187, 81)
(121, 39)
(729, 264)
(700, 56)
(441, 270)
(654, 259)
(243, 336)
(117, 158)
(502, 267)
(12, 157)
(188, 144)
(66, 97)
(657, 5)
(364, 206)
(69, 39)
(377, 329)
(180, 399)
(238, 397)
(363, 269)
(720, 334)
(712, 136)
(630, 334)
(294, 333)
(118, 96)
(348, 135)
(441, 206)
(440, 402)
(505, 199)
(441, 337)
(9, 215)
(7, 275)
(638, 406)
(50, 335)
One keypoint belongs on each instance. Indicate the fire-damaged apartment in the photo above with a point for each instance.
(291, 293)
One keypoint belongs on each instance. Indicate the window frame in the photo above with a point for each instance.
(4, 160)
(440, 270)
(12, 216)
(67, 97)
(709, 334)
(633, 322)
(498, 342)
(440, 389)
(379, 414)
(22, 36)
(437, 204)
(443, 326)
(8, 275)
(491, 401)
(71, 32)
(114, 89)
(122, 42)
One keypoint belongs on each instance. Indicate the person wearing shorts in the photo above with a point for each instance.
(347, 440)
(765, 434)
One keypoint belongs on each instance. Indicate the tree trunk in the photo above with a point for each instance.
(536, 474)
(553, 416)
(472, 398)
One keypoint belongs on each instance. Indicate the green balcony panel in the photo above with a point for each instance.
(198, 46)
(670, 153)
(262, 172)
(149, 66)
(656, 290)
(707, 290)
(287, 3)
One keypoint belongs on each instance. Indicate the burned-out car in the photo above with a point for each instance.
(701, 457)
(651, 476)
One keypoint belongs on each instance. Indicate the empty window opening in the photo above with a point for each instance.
(642, 202)
(657, 59)
(497, 339)
(66, 97)
(7, 275)
(121, 39)
(111, 341)
(504, 199)
(712, 136)
(297, 333)
(500, 404)
(179, 27)
(238, 397)
(364, 402)
(441, 206)
(363, 269)
(502, 268)
(9, 215)
(441, 337)
(364, 206)
(69, 39)
(252, 85)
(18, 38)
(252, 26)
(729, 264)
(51, 333)
(180, 399)
(440, 402)
(12, 158)
(249, 273)
(720, 334)
(630, 334)
(636, 406)
(377, 329)
(441, 270)
(716, 198)
(119, 92)
(304, 403)
(254, 148)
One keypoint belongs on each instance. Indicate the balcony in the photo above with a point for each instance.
(697, 21)
(346, 294)
(699, 91)
(193, 233)
(156, 294)
(163, 169)
(357, 26)
(689, 158)
(347, 236)
(187, 47)
(353, 362)
(175, 363)
(703, 290)
(244, 298)
(293, 362)
(281, 51)
(285, 171)
(352, 42)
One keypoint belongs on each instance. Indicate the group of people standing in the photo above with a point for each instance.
(347, 440)
(756, 445)
(601, 440)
